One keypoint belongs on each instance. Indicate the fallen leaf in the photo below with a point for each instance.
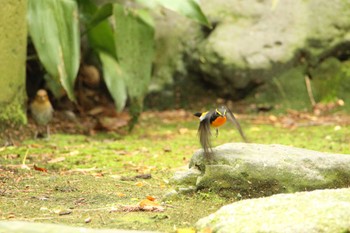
(96, 111)
(11, 215)
(147, 202)
(121, 194)
(98, 174)
(139, 184)
(40, 169)
(151, 198)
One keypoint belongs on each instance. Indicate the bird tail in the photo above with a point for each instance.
(204, 137)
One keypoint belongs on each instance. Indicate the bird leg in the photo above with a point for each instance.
(36, 133)
(217, 132)
(48, 131)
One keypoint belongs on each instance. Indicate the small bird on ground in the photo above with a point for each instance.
(214, 118)
(42, 111)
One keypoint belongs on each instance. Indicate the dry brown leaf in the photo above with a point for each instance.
(41, 169)
(139, 184)
(121, 194)
(151, 198)
(96, 111)
(146, 202)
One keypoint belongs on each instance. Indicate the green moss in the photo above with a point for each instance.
(13, 114)
(331, 80)
(13, 28)
(285, 91)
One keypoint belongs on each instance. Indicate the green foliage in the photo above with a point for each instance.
(135, 49)
(53, 27)
(331, 80)
(114, 79)
(122, 37)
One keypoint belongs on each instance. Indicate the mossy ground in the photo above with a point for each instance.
(92, 176)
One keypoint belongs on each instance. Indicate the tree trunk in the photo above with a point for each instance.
(13, 44)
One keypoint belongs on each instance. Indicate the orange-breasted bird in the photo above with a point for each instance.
(214, 119)
(42, 111)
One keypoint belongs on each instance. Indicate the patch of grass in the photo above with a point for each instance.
(92, 176)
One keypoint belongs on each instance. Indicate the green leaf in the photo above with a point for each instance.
(101, 38)
(100, 15)
(99, 31)
(114, 79)
(53, 27)
(135, 48)
(188, 8)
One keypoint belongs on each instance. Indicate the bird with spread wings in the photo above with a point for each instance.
(214, 119)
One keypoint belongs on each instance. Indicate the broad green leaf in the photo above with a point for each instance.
(99, 30)
(101, 38)
(53, 27)
(101, 14)
(114, 79)
(188, 8)
(135, 49)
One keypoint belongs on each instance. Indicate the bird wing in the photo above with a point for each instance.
(234, 121)
(204, 134)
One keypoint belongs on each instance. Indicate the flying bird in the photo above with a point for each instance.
(42, 111)
(214, 119)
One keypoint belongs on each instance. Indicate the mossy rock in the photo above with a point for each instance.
(304, 212)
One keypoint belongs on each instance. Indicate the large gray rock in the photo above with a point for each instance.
(252, 170)
(309, 212)
(31, 227)
(254, 46)
(252, 43)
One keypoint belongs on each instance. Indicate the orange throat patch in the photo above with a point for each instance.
(219, 121)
